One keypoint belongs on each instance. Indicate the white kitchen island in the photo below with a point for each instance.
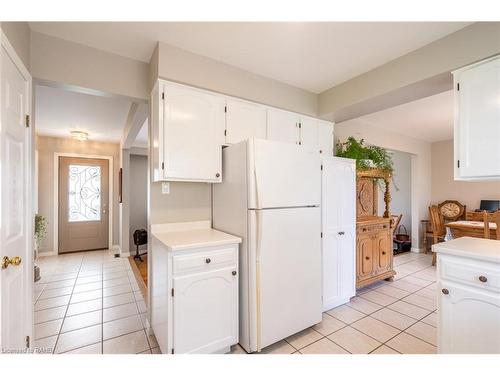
(468, 271)
(194, 288)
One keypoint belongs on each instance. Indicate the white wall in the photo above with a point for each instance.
(138, 196)
(420, 164)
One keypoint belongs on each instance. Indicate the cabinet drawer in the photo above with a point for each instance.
(373, 228)
(479, 275)
(204, 261)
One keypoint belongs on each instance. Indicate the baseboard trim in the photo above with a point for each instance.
(46, 254)
(417, 250)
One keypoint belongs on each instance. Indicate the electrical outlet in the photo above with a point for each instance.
(165, 187)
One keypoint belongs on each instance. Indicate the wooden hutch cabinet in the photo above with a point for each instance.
(373, 233)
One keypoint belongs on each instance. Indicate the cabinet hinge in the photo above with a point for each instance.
(225, 109)
(300, 143)
(27, 341)
(458, 163)
(162, 165)
(458, 86)
(321, 166)
(173, 351)
(225, 132)
(163, 96)
(27, 121)
(321, 234)
(172, 292)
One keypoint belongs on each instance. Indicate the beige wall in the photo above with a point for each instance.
(19, 36)
(46, 147)
(445, 187)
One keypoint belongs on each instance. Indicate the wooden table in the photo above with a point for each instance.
(470, 228)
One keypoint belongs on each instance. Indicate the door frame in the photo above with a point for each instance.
(29, 253)
(55, 216)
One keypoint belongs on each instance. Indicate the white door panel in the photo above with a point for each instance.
(283, 126)
(283, 175)
(288, 251)
(244, 120)
(16, 218)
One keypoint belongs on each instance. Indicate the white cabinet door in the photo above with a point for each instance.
(193, 127)
(339, 231)
(244, 120)
(205, 309)
(469, 320)
(309, 134)
(283, 126)
(477, 122)
(325, 137)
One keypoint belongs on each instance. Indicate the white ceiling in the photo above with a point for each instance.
(311, 55)
(59, 111)
(429, 119)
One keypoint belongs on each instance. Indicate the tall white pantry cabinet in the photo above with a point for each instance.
(338, 207)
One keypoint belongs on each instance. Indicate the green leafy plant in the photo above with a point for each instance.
(366, 156)
(40, 229)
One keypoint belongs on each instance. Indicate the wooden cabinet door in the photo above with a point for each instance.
(205, 307)
(282, 126)
(365, 255)
(384, 248)
(325, 137)
(244, 120)
(309, 134)
(193, 128)
(468, 320)
(477, 134)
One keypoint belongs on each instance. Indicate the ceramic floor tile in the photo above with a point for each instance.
(115, 282)
(90, 272)
(60, 284)
(132, 343)
(119, 299)
(82, 320)
(50, 314)
(65, 276)
(51, 293)
(405, 285)
(141, 305)
(47, 329)
(281, 347)
(158, 351)
(114, 275)
(79, 338)
(80, 288)
(421, 301)
(45, 345)
(394, 318)
(153, 343)
(86, 296)
(354, 341)
(380, 331)
(89, 349)
(415, 280)
(83, 307)
(303, 338)
(346, 314)
(323, 346)
(118, 289)
(235, 349)
(379, 298)
(428, 293)
(120, 311)
(424, 332)
(50, 303)
(88, 279)
(407, 344)
(328, 325)
(409, 309)
(363, 305)
(122, 326)
(392, 292)
(431, 319)
(384, 350)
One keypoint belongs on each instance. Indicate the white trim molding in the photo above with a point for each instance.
(55, 216)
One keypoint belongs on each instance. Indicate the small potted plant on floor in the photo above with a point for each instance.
(40, 234)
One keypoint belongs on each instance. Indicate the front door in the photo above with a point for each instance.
(16, 221)
(83, 204)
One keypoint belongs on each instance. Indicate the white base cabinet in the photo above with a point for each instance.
(194, 297)
(338, 208)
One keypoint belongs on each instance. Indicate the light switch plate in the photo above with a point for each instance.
(165, 187)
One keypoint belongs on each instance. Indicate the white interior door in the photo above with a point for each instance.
(288, 252)
(283, 126)
(16, 216)
(244, 120)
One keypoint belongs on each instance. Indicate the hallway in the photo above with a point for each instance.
(90, 302)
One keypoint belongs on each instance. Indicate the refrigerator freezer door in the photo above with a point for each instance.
(282, 175)
(288, 273)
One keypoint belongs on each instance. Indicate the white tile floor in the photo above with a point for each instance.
(384, 318)
(90, 302)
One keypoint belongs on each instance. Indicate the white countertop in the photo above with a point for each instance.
(469, 247)
(184, 236)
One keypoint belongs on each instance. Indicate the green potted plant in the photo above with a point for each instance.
(366, 156)
(40, 234)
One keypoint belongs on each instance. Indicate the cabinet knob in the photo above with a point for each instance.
(217, 175)
(445, 291)
(367, 258)
(341, 233)
(234, 273)
(483, 279)
(383, 252)
(208, 260)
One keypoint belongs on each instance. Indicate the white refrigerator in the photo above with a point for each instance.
(270, 197)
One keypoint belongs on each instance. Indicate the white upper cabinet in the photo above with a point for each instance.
(244, 120)
(477, 121)
(191, 127)
(309, 133)
(283, 126)
(325, 137)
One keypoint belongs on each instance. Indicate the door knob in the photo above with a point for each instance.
(208, 260)
(6, 261)
(217, 175)
(234, 273)
(483, 279)
(445, 291)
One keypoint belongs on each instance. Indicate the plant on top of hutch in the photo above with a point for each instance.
(367, 157)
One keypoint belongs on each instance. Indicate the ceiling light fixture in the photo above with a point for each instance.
(79, 136)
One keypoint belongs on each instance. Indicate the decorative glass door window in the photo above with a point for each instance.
(84, 193)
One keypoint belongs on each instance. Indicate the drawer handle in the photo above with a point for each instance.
(208, 260)
(341, 233)
(364, 229)
(483, 279)
(234, 273)
(367, 258)
(445, 291)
